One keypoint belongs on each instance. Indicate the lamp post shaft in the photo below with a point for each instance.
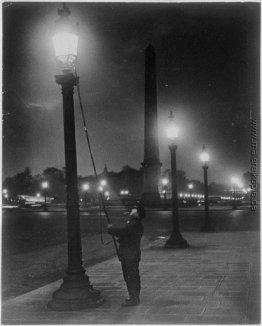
(75, 292)
(45, 207)
(234, 197)
(73, 217)
(174, 188)
(206, 192)
(207, 224)
(176, 240)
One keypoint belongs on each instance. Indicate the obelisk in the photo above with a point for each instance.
(151, 164)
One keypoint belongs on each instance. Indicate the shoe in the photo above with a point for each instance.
(131, 302)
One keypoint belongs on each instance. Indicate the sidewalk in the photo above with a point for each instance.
(215, 281)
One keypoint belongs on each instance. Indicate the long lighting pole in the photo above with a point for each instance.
(204, 156)
(76, 292)
(176, 240)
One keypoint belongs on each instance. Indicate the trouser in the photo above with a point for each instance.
(131, 276)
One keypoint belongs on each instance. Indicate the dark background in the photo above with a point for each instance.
(207, 71)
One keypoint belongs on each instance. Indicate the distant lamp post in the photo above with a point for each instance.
(204, 157)
(107, 195)
(103, 183)
(164, 184)
(176, 240)
(45, 185)
(76, 292)
(85, 188)
(190, 187)
(235, 183)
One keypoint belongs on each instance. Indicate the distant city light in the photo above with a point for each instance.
(5, 191)
(190, 186)
(163, 191)
(124, 192)
(85, 186)
(38, 194)
(236, 182)
(164, 181)
(44, 184)
(100, 188)
(107, 193)
(103, 183)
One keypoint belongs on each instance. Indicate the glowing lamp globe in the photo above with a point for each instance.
(45, 185)
(164, 181)
(65, 39)
(85, 186)
(204, 156)
(172, 130)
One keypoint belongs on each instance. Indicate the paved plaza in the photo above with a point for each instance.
(215, 281)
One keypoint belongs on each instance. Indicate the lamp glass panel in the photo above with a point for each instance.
(204, 156)
(65, 45)
(172, 131)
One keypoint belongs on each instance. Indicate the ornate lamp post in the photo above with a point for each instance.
(236, 183)
(45, 186)
(176, 240)
(204, 157)
(76, 292)
(85, 189)
(164, 184)
(190, 187)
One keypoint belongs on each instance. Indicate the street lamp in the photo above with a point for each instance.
(45, 186)
(107, 195)
(204, 157)
(190, 187)
(76, 292)
(176, 240)
(103, 183)
(164, 183)
(235, 183)
(85, 189)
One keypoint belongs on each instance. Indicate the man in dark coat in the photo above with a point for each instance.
(129, 238)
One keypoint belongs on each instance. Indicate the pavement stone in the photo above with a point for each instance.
(214, 281)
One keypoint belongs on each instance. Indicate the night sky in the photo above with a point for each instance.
(207, 73)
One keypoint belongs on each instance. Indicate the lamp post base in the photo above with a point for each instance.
(75, 293)
(176, 241)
